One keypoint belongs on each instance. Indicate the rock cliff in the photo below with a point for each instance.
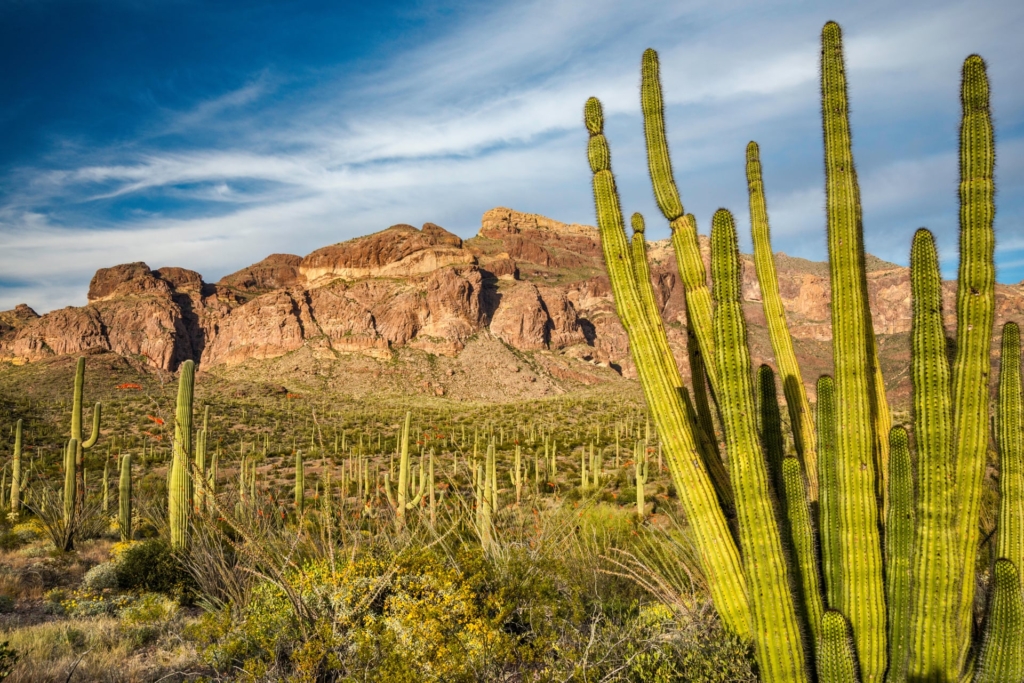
(536, 284)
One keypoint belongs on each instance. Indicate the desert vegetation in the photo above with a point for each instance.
(209, 527)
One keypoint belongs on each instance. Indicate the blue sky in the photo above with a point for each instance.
(209, 135)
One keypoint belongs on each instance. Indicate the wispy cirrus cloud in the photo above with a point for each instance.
(488, 113)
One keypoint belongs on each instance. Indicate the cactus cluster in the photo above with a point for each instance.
(807, 577)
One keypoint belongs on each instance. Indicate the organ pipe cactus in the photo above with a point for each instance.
(200, 462)
(911, 621)
(300, 484)
(180, 488)
(16, 471)
(641, 466)
(124, 498)
(516, 474)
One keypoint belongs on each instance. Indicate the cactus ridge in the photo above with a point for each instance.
(836, 660)
(777, 636)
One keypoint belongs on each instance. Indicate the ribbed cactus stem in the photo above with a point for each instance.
(836, 660)
(935, 566)
(16, 471)
(975, 311)
(828, 491)
(782, 342)
(76, 430)
(777, 637)
(70, 483)
(106, 485)
(124, 498)
(300, 484)
(770, 426)
(899, 544)
(802, 541)
(180, 487)
(658, 377)
(640, 463)
(1009, 426)
(1002, 651)
(201, 463)
(863, 600)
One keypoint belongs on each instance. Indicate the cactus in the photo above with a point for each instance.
(70, 488)
(516, 474)
(1009, 423)
(16, 471)
(1002, 650)
(300, 484)
(180, 486)
(975, 310)
(899, 540)
(201, 465)
(859, 542)
(640, 463)
(775, 315)
(828, 490)
(777, 638)
(124, 498)
(717, 549)
(934, 567)
(836, 660)
(404, 500)
(76, 430)
(106, 485)
(801, 538)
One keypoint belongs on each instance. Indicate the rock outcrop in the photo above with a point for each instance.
(536, 284)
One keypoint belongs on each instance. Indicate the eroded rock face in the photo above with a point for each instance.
(540, 286)
(399, 251)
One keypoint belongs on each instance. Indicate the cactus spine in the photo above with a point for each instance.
(124, 498)
(16, 471)
(1009, 423)
(658, 376)
(859, 543)
(180, 487)
(975, 310)
(778, 331)
(935, 567)
(777, 637)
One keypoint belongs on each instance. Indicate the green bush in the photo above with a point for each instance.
(152, 566)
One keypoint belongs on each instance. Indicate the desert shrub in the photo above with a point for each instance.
(152, 566)
(101, 577)
(147, 617)
(8, 659)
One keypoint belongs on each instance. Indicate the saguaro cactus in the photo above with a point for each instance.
(76, 430)
(16, 471)
(403, 500)
(180, 487)
(124, 498)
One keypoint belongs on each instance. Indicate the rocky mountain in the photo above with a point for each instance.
(533, 283)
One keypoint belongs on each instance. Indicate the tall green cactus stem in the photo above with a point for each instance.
(836, 660)
(76, 429)
(638, 245)
(777, 637)
(124, 498)
(106, 485)
(684, 227)
(975, 311)
(641, 466)
(16, 471)
(828, 491)
(899, 543)
(401, 500)
(700, 391)
(712, 460)
(430, 491)
(180, 488)
(863, 601)
(516, 474)
(770, 426)
(935, 569)
(719, 555)
(300, 484)
(70, 486)
(201, 464)
(1002, 651)
(803, 539)
(1009, 423)
(782, 342)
